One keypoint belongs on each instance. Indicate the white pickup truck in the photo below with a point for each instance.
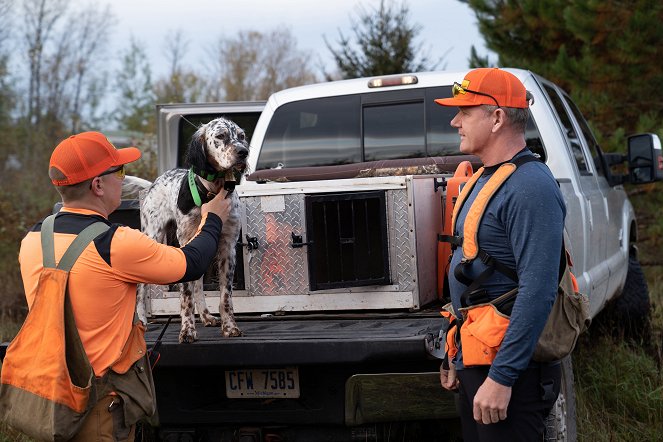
(339, 279)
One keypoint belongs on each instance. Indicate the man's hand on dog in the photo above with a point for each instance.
(219, 205)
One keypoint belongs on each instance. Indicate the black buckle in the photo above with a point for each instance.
(454, 240)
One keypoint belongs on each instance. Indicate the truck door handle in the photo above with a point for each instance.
(251, 242)
(298, 242)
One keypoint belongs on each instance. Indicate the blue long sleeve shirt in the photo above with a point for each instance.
(522, 228)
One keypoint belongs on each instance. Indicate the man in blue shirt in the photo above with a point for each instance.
(522, 228)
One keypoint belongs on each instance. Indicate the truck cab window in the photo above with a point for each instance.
(442, 139)
(318, 132)
(569, 130)
(394, 131)
(593, 145)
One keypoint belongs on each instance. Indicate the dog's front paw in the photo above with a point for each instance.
(230, 331)
(188, 335)
(209, 320)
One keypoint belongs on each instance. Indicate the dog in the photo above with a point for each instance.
(169, 214)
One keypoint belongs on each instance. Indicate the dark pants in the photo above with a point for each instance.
(532, 398)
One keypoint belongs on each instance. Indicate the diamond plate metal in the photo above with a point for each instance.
(276, 268)
(399, 239)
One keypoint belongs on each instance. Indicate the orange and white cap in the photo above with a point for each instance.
(86, 155)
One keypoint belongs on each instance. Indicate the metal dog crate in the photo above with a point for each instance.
(350, 244)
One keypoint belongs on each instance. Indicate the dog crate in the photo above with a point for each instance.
(348, 244)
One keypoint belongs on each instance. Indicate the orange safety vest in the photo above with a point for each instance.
(483, 322)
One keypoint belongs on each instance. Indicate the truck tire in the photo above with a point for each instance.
(561, 422)
(632, 310)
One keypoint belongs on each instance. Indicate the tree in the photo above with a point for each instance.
(384, 44)
(604, 53)
(256, 64)
(6, 92)
(64, 50)
(92, 26)
(135, 109)
(39, 19)
(180, 85)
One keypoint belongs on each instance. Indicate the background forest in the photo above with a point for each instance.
(55, 80)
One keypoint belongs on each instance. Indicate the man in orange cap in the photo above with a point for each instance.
(507, 395)
(87, 171)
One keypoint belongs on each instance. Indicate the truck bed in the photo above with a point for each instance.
(310, 339)
(303, 339)
(331, 354)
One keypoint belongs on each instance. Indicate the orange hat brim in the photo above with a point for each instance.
(127, 155)
(475, 100)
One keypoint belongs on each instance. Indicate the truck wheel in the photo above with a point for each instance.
(632, 309)
(561, 422)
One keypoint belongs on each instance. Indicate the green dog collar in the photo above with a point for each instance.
(194, 189)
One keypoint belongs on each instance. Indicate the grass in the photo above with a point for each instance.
(619, 382)
(619, 388)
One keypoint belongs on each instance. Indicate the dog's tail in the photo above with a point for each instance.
(132, 186)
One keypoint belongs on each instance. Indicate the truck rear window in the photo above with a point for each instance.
(350, 129)
(319, 132)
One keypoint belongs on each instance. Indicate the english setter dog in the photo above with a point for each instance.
(169, 211)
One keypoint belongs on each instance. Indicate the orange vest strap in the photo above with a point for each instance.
(474, 215)
(467, 189)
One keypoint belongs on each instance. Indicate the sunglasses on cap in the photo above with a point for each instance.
(457, 89)
(119, 171)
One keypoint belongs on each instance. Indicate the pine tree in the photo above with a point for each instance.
(384, 43)
(604, 53)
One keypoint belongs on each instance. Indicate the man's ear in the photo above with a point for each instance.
(95, 186)
(499, 119)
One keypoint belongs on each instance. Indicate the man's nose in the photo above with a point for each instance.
(454, 121)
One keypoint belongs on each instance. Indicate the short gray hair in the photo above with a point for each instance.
(72, 192)
(516, 116)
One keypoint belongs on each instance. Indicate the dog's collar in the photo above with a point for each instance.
(193, 187)
(206, 174)
(228, 186)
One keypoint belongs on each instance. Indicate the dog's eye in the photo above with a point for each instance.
(222, 135)
(241, 136)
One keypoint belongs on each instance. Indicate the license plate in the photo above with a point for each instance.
(263, 383)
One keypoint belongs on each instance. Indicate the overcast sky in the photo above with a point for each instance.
(447, 26)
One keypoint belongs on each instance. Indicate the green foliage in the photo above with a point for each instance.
(384, 43)
(135, 109)
(604, 53)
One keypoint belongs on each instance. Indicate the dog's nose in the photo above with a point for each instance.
(242, 152)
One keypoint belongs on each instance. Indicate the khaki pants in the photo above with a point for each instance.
(98, 426)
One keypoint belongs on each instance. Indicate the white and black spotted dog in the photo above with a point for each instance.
(169, 211)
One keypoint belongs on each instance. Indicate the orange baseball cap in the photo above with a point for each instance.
(86, 155)
(488, 86)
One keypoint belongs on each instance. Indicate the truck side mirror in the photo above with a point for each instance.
(645, 160)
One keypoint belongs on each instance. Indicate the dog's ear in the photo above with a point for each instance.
(196, 154)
